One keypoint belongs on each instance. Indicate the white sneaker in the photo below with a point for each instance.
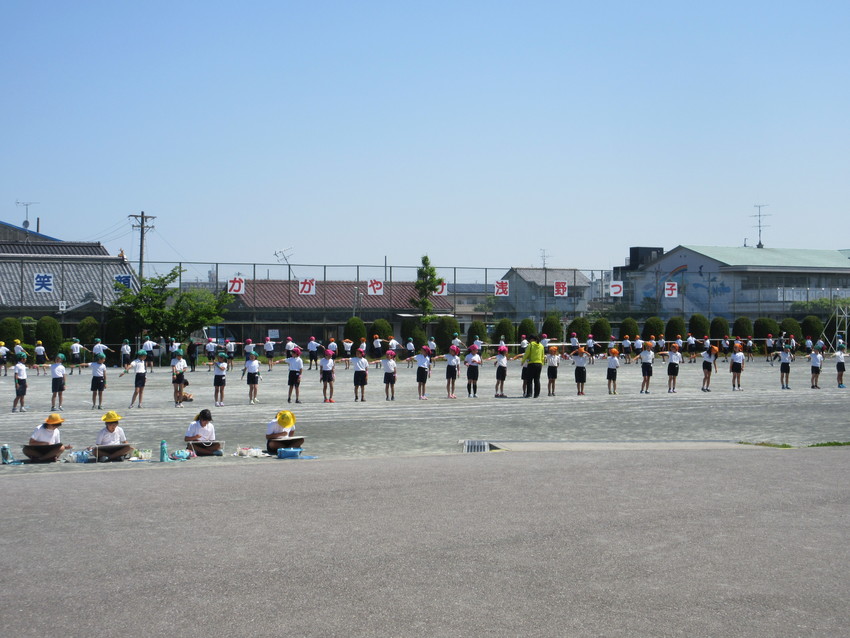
(23, 409)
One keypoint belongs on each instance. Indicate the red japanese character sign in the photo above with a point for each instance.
(307, 287)
(442, 290)
(501, 288)
(561, 288)
(671, 289)
(375, 287)
(615, 289)
(236, 286)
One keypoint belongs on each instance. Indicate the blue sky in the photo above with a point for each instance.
(479, 133)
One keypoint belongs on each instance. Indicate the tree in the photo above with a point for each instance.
(743, 327)
(581, 326)
(675, 328)
(629, 327)
(503, 329)
(476, 329)
(791, 326)
(355, 330)
(699, 326)
(11, 329)
(526, 327)
(601, 329)
(444, 332)
(719, 328)
(49, 332)
(88, 329)
(652, 327)
(552, 327)
(162, 312)
(426, 284)
(811, 327)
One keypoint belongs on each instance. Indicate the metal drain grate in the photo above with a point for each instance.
(472, 445)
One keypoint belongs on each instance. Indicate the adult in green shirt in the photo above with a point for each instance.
(533, 360)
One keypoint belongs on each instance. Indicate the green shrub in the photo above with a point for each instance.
(10, 329)
(791, 326)
(49, 332)
(811, 327)
(380, 327)
(503, 329)
(601, 329)
(581, 326)
(675, 327)
(444, 332)
(762, 327)
(412, 327)
(743, 327)
(552, 327)
(719, 328)
(526, 327)
(88, 330)
(699, 326)
(354, 329)
(629, 327)
(476, 329)
(653, 327)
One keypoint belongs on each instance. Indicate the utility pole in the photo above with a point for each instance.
(143, 227)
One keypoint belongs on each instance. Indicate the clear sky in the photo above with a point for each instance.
(480, 133)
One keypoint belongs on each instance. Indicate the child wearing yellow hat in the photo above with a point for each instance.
(280, 433)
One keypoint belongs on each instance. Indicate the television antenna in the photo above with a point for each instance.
(283, 257)
(26, 206)
(760, 224)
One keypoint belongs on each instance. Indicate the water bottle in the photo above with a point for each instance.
(6, 454)
(163, 452)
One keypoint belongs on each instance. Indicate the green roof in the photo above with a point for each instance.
(774, 257)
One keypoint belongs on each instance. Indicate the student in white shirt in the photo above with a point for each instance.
(4, 357)
(361, 374)
(611, 374)
(839, 363)
(580, 359)
(411, 351)
(786, 356)
(20, 373)
(646, 356)
(501, 371)
(268, 350)
(139, 369)
(201, 433)
(553, 360)
(126, 354)
(673, 367)
(178, 379)
(328, 376)
(817, 361)
(209, 348)
(40, 357)
(45, 445)
(709, 360)
(627, 349)
(229, 352)
(389, 365)
(76, 356)
(736, 366)
(57, 381)
(252, 368)
(472, 361)
(98, 380)
(113, 435)
(148, 346)
(452, 366)
(296, 367)
(423, 366)
(220, 378)
(313, 352)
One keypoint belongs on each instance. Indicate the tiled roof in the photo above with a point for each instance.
(270, 293)
(75, 280)
(542, 277)
(52, 248)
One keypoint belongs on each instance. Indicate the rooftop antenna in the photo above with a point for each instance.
(543, 256)
(760, 224)
(283, 257)
(26, 206)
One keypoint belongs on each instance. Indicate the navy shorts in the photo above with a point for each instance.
(451, 372)
(219, 381)
(253, 378)
(552, 372)
(57, 384)
(21, 388)
(361, 378)
(472, 373)
(501, 373)
(646, 369)
(294, 378)
(611, 375)
(140, 380)
(421, 375)
(672, 369)
(389, 378)
(98, 383)
(581, 374)
(328, 376)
